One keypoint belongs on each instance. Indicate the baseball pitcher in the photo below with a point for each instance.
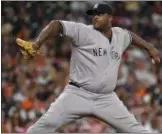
(96, 55)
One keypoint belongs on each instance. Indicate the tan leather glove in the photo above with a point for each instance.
(27, 49)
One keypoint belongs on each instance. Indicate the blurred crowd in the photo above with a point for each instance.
(28, 87)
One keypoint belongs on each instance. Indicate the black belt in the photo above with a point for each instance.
(74, 84)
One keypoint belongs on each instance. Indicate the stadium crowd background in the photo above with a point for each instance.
(28, 87)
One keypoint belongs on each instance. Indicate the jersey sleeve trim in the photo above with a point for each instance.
(130, 36)
(63, 26)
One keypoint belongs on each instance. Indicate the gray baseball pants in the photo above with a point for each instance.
(75, 103)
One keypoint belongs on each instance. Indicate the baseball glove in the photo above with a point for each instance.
(27, 49)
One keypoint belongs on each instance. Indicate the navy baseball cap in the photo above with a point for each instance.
(100, 8)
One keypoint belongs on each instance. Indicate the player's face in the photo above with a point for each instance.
(102, 21)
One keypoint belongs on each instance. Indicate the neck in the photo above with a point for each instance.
(107, 33)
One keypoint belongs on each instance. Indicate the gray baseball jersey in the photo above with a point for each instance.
(95, 60)
(94, 65)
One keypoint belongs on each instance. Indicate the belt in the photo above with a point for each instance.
(74, 84)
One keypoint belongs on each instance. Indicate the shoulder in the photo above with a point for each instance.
(72, 23)
(118, 29)
(83, 26)
(86, 28)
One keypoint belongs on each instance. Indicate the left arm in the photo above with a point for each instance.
(152, 51)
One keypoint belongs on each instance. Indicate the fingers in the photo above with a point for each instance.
(156, 60)
(159, 60)
(152, 60)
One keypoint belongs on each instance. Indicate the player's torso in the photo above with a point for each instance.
(94, 65)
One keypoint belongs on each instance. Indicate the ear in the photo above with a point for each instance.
(111, 17)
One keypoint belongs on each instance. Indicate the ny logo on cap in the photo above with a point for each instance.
(96, 5)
